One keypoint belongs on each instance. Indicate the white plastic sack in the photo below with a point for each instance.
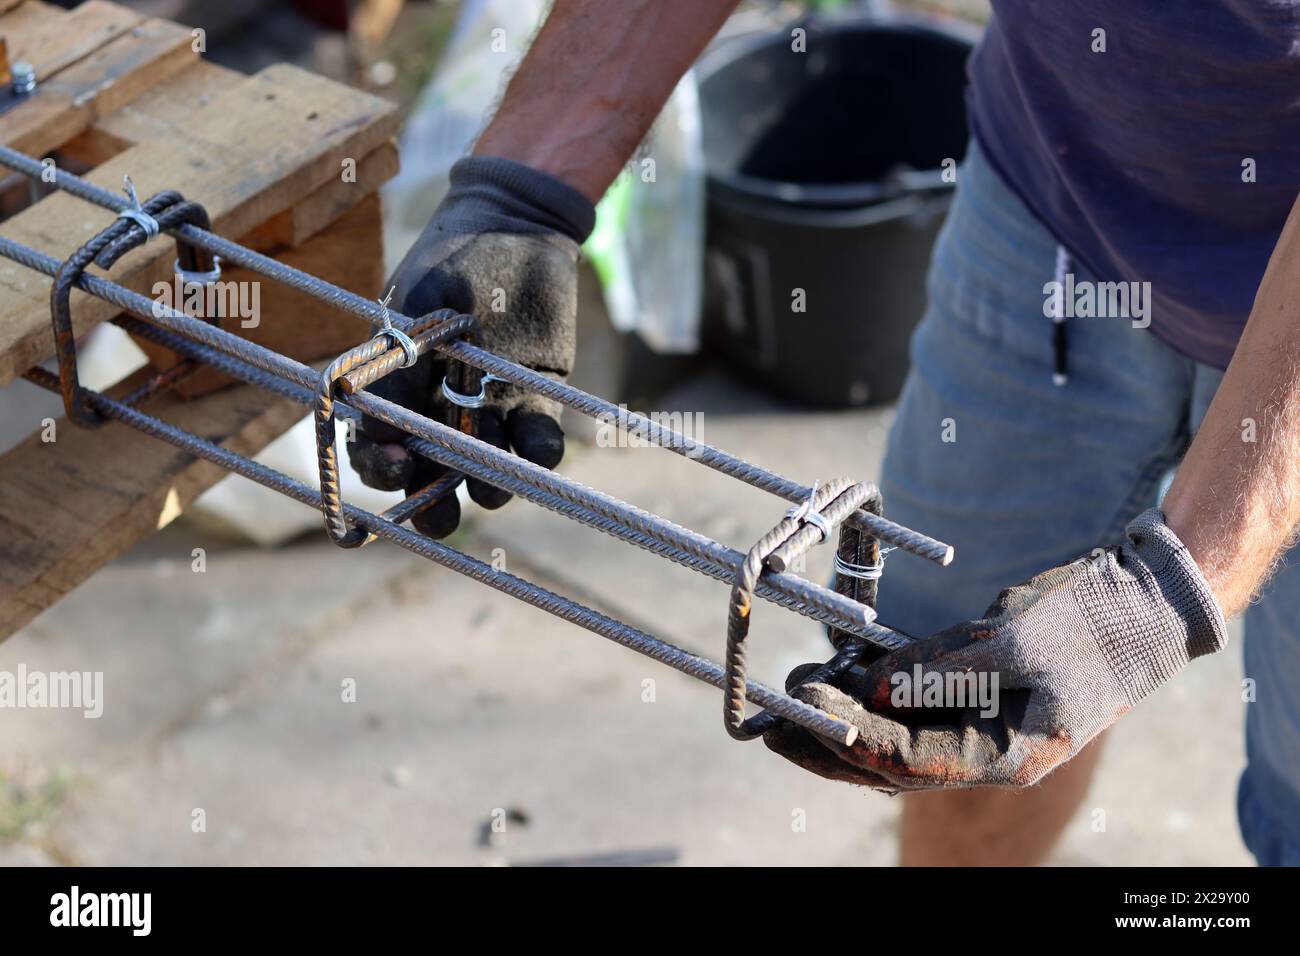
(648, 245)
(487, 43)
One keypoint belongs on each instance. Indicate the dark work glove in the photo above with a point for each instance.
(1073, 650)
(503, 247)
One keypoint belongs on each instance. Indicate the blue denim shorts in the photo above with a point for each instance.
(989, 454)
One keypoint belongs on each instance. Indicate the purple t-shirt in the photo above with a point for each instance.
(1137, 158)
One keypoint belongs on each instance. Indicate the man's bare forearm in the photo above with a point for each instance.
(1235, 502)
(593, 81)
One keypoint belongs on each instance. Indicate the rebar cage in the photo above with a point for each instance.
(853, 510)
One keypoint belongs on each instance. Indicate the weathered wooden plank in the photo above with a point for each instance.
(69, 506)
(251, 152)
(68, 102)
(306, 218)
(51, 39)
(266, 156)
(157, 114)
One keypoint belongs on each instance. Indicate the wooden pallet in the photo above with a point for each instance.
(265, 154)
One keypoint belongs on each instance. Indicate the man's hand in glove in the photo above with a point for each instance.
(1073, 650)
(503, 247)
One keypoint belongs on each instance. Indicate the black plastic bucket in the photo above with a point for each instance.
(826, 189)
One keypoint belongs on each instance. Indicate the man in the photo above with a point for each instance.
(1133, 142)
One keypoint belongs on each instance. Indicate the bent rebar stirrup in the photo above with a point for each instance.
(397, 341)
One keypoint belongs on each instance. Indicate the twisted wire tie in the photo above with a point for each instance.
(135, 213)
(411, 354)
(805, 513)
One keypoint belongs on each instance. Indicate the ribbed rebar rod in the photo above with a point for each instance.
(670, 654)
(905, 538)
(658, 434)
(426, 497)
(796, 532)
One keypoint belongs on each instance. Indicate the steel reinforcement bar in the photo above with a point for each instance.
(340, 392)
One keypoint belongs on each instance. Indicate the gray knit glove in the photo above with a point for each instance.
(1073, 650)
(503, 247)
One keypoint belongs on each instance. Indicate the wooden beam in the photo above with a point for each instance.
(51, 40)
(69, 506)
(267, 156)
(68, 102)
(154, 115)
(248, 154)
(326, 205)
(159, 113)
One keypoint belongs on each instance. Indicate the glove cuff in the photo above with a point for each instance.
(493, 194)
(1183, 585)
